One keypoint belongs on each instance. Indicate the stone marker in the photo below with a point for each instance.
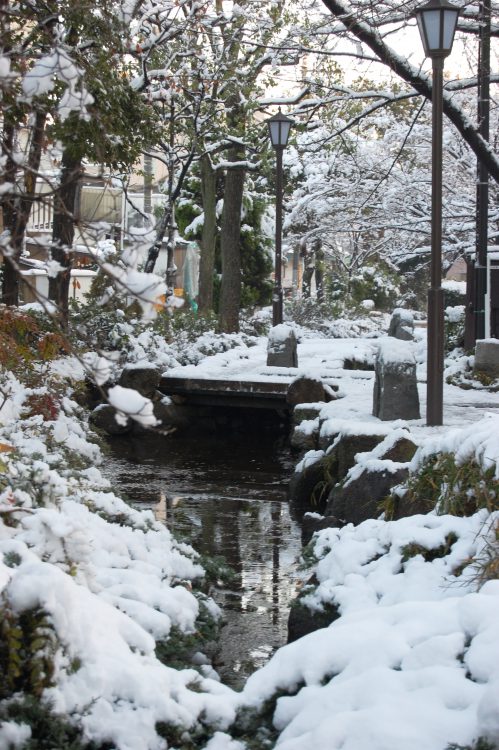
(282, 347)
(487, 357)
(395, 386)
(402, 325)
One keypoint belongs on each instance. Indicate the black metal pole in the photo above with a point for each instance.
(482, 219)
(435, 363)
(277, 295)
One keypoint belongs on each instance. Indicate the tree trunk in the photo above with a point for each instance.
(16, 207)
(63, 232)
(230, 296)
(208, 238)
(319, 271)
(171, 268)
(308, 273)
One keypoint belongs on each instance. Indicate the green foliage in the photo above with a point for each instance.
(377, 282)
(177, 650)
(255, 726)
(480, 744)
(48, 731)
(27, 649)
(458, 489)
(27, 338)
(413, 549)
(217, 571)
(310, 313)
(454, 328)
(256, 263)
(485, 567)
(121, 123)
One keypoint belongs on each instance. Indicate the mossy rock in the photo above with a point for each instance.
(360, 499)
(401, 452)
(303, 620)
(303, 484)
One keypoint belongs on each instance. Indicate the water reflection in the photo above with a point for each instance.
(227, 497)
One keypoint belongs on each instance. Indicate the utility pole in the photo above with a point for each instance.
(482, 198)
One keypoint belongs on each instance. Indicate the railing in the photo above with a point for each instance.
(42, 215)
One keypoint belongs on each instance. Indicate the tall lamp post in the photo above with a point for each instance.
(437, 22)
(279, 127)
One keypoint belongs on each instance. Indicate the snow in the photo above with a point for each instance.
(393, 350)
(410, 662)
(129, 403)
(396, 668)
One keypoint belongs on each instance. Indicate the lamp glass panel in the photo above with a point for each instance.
(275, 128)
(285, 128)
(449, 27)
(431, 20)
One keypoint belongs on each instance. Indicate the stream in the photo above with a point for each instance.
(227, 497)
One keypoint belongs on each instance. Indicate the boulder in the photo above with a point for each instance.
(360, 499)
(282, 347)
(487, 357)
(350, 438)
(401, 325)
(306, 390)
(303, 620)
(104, 418)
(313, 522)
(304, 489)
(305, 412)
(317, 472)
(395, 385)
(305, 435)
(143, 379)
(359, 495)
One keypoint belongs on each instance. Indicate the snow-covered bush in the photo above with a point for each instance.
(454, 327)
(98, 602)
(408, 611)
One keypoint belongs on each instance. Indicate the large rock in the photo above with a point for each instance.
(282, 347)
(306, 390)
(350, 437)
(104, 418)
(141, 378)
(170, 415)
(305, 486)
(395, 386)
(360, 499)
(303, 412)
(317, 472)
(305, 435)
(401, 325)
(303, 620)
(487, 357)
(371, 479)
(313, 522)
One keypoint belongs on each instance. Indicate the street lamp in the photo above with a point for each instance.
(437, 22)
(279, 127)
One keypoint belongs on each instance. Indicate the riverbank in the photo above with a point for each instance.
(227, 497)
(98, 599)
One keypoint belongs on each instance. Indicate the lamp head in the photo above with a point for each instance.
(437, 21)
(279, 127)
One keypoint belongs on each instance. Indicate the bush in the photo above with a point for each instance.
(449, 487)
(454, 328)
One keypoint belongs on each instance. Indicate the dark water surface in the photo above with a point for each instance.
(226, 495)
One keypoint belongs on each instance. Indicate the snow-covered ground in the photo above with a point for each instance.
(412, 663)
